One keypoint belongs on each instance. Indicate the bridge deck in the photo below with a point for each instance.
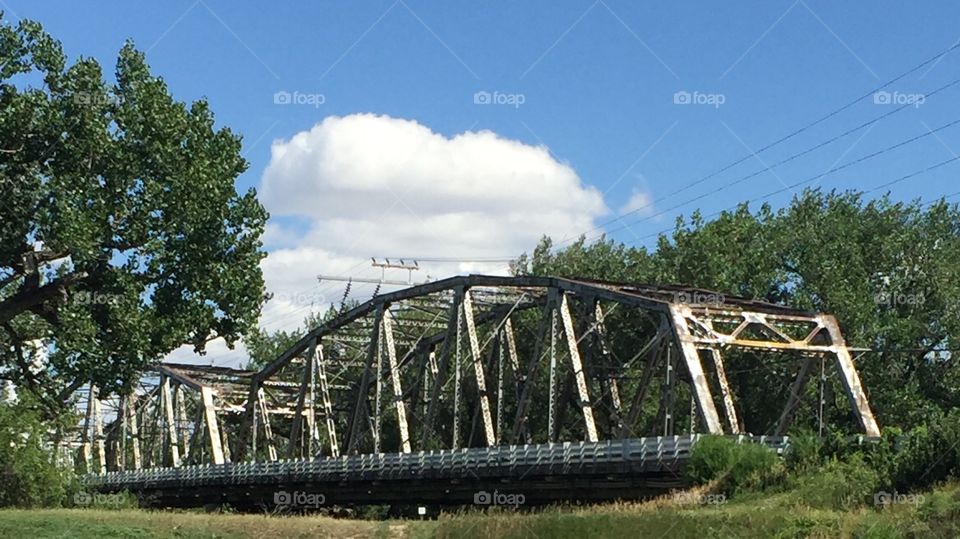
(542, 473)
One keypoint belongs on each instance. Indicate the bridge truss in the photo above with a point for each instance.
(476, 362)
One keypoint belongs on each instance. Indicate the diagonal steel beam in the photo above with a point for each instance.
(395, 382)
(698, 382)
(481, 380)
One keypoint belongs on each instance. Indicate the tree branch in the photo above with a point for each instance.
(35, 298)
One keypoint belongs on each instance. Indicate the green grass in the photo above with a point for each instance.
(783, 515)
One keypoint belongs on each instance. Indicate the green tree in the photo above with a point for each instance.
(886, 269)
(122, 235)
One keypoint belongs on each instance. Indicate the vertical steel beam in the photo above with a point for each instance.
(124, 433)
(180, 406)
(500, 365)
(327, 405)
(468, 314)
(225, 442)
(134, 429)
(582, 390)
(98, 431)
(457, 383)
(395, 382)
(313, 436)
(693, 416)
(212, 425)
(698, 382)
(432, 366)
(267, 428)
(87, 438)
(552, 381)
(169, 421)
(667, 399)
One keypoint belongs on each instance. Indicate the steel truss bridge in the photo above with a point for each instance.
(438, 392)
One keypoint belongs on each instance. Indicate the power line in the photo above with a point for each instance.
(749, 156)
(810, 179)
(768, 195)
(786, 137)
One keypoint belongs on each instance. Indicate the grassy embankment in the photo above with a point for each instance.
(781, 515)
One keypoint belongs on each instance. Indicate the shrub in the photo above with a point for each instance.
(29, 473)
(710, 458)
(755, 469)
(737, 468)
(920, 457)
(805, 453)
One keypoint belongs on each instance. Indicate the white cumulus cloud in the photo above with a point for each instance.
(366, 185)
(639, 202)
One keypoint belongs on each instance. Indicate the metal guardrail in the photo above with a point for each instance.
(627, 456)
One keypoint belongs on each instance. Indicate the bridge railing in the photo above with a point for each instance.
(627, 456)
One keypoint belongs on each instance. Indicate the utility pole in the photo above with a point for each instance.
(411, 267)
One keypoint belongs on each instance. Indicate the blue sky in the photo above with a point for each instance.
(598, 78)
(597, 81)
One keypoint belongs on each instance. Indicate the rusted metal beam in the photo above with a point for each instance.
(582, 390)
(395, 383)
(851, 380)
(730, 410)
(327, 404)
(687, 347)
(212, 425)
(170, 428)
(491, 438)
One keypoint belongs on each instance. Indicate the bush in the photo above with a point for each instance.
(29, 473)
(805, 453)
(710, 458)
(737, 468)
(919, 458)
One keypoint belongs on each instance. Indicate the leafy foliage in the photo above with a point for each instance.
(122, 235)
(30, 476)
(734, 467)
(885, 269)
